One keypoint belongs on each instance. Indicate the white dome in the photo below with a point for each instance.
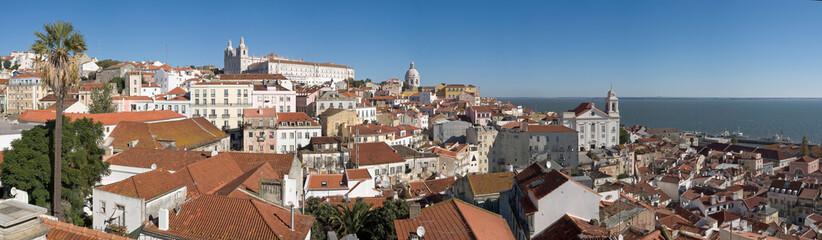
(412, 73)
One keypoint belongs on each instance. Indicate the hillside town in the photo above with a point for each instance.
(274, 147)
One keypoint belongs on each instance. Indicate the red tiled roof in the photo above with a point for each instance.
(585, 107)
(68, 231)
(569, 227)
(177, 91)
(332, 182)
(188, 133)
(147, 186)
(41, 116)
(549, 128)
(354, 174)
(260, 112)
(439, 185)
(27, 75)
(250, 180)
(455, 219)
(374, 153)
(162, 158)
(295, 117)
(217, 217)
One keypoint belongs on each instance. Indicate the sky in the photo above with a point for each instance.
(575, 48)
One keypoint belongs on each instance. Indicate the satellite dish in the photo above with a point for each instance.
(421, 231)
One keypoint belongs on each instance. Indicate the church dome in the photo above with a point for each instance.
(412, 73)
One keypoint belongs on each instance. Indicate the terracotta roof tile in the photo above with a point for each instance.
(67, 231)
(491, 182)
(147, 186)
(259, 112)
(188, 133)
(217, 217)
(161, 158)
(569, 227)
(332, 182)
(357, 174)
(42, 116)
(455, 219)
(177, 91)
(374, 153)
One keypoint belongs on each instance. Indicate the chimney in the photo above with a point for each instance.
(163, 221)
(414, 210)
(292, 217)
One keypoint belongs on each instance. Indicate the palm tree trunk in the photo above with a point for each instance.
(58, 154)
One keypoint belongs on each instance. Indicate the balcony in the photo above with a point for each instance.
(226, 115)
(212, 115)
(195, 115)
(261, 139)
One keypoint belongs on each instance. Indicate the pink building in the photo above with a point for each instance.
(307, 95)
(277, 97)
(132, 103)
(479, 115)
(260, 131)
(804, 166)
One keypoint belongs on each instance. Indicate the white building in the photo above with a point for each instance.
(221, 102)
(277, 97)
(597, 128)
(136, 199)
(353, 183)
(237, 62)
(295, 130)
(540, 197)
(522, 145)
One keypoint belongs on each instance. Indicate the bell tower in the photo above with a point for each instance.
(612, 103)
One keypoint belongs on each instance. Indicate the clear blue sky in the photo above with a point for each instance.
(746, 48)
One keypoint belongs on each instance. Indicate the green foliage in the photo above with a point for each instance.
(357, 83)
(381, 223)
(357, 219)
(107, 63)
(101, 101)
(7, 64)
(803, 149)
(121, 83)
(622, 175)
(15, 67)
(734, 141)
(624, 136)
(117, 229)
(28, 166)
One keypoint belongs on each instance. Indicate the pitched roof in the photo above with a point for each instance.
(68, 231)
(147, 185)
(455, 219)
(188, 133)
(41, 116)
(259, 112)
(570, 227)
(218, 217)
(585, 107)
(357, 174)
(177, 91)
(549, 128)
(161, 158)
(374, 153)
(332, 182)
(490, 182)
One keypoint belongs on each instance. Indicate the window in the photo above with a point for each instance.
(102, 206)
(225, 92)
(121, 220)
(250, 134)
(324, 184)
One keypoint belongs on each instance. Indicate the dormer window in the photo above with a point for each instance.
(324, 184)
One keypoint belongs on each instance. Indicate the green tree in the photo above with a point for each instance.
(107, 63)
(7, 64)
(351, 220)
(59, 43)
(803, 149)
(27, 166)
(101, 101)
(121, 83)
(624, 136)
(734, 141)
(381, 222)
(15, 67)
(322, 217)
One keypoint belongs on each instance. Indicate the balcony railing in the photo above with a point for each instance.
(212, 115)
(226, 115)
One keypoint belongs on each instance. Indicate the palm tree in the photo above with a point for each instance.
(351, 219)
(58, 46)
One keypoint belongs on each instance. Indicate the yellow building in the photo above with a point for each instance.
(24, 93)
(454, 90)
